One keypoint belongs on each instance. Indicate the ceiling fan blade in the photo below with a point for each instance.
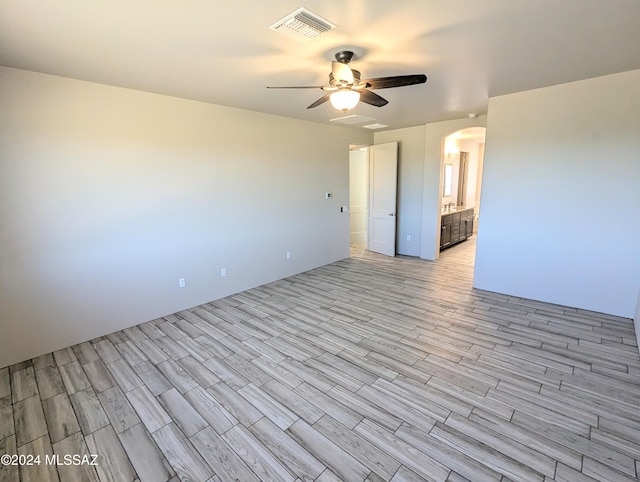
(320, 101)
(341, 72)
(372, 98)
(297, 87)
(395, 81)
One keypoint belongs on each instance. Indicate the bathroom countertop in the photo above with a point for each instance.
(453, 210)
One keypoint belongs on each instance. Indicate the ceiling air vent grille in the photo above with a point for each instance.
(302, 25)
(352, 119)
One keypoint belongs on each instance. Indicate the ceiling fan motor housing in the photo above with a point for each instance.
(344, 56)
(356, 78)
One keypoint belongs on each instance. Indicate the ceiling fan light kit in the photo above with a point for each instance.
(345, 99)
(346, 89)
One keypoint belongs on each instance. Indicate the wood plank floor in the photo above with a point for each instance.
(372, 368)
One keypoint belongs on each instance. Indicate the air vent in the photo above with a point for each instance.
(302, 25)
(376, 126)
(352, 119)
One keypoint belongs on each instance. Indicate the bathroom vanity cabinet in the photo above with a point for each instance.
(456, 226)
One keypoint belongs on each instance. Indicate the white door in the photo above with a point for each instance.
(383, 169)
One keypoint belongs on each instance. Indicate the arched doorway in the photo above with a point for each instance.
(461, 167)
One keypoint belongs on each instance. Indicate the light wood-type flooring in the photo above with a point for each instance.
(371, 368)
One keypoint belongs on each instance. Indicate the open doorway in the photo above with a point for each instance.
(373, 189)
(461, 187)
(358, 198)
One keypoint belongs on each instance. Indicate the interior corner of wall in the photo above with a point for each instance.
(636, 319)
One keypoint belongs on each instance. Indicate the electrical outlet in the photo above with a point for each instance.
(408, 237)
(223, 272)
(288, 254)
(181, 283)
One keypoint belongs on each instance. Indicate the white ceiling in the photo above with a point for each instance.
(222, 51)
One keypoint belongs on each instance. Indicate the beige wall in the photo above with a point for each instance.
(560, 198)
(109, 195)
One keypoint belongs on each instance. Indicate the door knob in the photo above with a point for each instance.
(392, 214)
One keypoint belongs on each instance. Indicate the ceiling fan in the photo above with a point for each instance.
(345, 88)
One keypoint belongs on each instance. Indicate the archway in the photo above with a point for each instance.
(461, 165)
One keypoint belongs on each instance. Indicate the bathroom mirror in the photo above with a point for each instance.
(448, 177)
